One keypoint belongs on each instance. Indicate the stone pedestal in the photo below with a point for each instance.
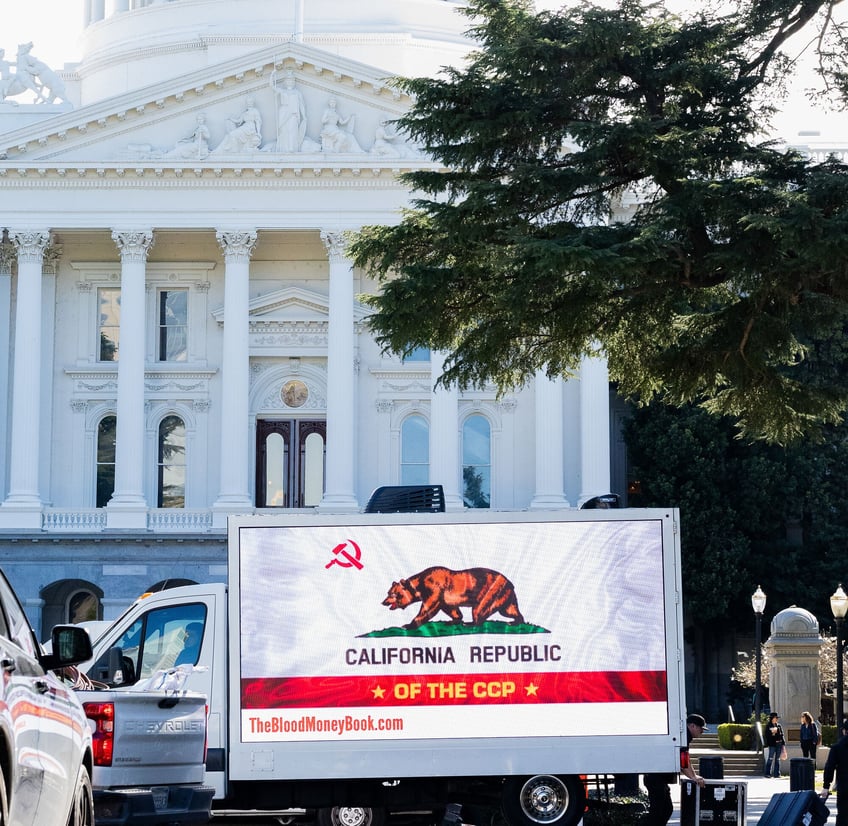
(794, 681)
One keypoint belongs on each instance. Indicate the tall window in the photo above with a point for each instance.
(477, 462)
(109, 322)
(415, 451)
(172, 463)
(106, 459)
(173, 325)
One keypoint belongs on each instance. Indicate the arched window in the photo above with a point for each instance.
(106, 459)
(83, 606)
(172, 463)
(415, 451)
(477, 462)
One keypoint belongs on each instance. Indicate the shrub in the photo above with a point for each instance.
(736, 736)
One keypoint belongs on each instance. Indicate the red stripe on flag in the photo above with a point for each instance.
(454, 689)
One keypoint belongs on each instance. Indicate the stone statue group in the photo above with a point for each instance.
(244, 131)
(30, 75)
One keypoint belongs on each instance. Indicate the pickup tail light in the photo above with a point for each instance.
(685, 763)
(102, 716)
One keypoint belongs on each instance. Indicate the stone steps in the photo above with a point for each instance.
(734, 763)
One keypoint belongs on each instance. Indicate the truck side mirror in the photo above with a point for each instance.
(70, 645)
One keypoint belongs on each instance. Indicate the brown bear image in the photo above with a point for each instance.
(440, 589)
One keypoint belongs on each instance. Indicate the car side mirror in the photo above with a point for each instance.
(71, 645)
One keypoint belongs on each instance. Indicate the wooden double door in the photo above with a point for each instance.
(291, 458)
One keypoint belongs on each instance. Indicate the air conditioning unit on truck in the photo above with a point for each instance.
(364, 664)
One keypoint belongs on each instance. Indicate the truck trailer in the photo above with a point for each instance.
(363, 665)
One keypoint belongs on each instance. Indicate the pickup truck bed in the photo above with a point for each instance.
(149, 750)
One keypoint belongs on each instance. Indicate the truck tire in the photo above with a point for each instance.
(543, 800)
(351, 816)
(82, 806)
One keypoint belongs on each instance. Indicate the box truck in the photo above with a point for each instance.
(368, 664)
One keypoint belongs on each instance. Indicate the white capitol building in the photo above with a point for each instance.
(184, 337)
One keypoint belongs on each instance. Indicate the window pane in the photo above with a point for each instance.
(415, 440)
(276, 459)
(313, 482)
(415, 451)
(172, 469)
(106, 460)
(173, 325)
(476, 462)
(418, 354)
(109, 322)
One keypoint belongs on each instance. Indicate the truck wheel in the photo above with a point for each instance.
(543, 799)
(351, 816)
(82, 806)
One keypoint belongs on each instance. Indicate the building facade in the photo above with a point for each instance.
(185, 333)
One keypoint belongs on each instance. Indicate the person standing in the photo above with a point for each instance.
(660, 806)
(837, 766)
(808, 735)
(776, 741)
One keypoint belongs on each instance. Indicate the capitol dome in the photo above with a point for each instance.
(130, 44)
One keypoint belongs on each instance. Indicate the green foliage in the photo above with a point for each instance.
(517, 256)
(829, 735)
(617, 811)
(751, 513)
(736, 736)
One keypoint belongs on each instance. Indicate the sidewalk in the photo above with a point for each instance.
(759, 793)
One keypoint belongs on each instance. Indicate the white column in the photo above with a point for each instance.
(445, 461)
(22, 507)
(594, 428)
(550, 489)
(127, 509)
(234, 490)
(7, 255)
(341, 386)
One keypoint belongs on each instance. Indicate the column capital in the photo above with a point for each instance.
(335, 240)
(134, 245)
(237, 244)
(30, 244)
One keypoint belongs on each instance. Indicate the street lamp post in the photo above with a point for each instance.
(758, 603)
(839, 606)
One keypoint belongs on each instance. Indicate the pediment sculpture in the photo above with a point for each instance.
(244, 131)
(30, 75)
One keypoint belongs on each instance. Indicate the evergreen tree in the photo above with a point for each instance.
(513, 259)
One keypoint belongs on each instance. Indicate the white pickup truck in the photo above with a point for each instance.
(149, 749)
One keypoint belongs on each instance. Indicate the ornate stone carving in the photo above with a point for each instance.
(244, 131)
(31, 75)
(237, 245)
(30, 244)
(337, 131)
(194, 146)
(389, 144)
(291, 114)
(335, 242)
(134, 245)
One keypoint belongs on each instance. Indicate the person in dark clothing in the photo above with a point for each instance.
(808, 735)
(837, 766)
(660, 806)
(775, 740)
